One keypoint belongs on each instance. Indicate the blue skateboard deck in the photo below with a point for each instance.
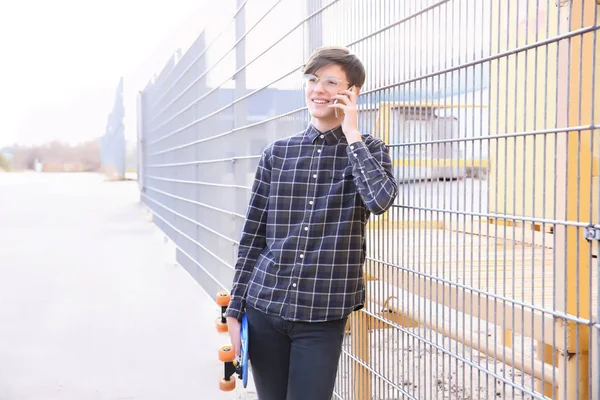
(244, 351)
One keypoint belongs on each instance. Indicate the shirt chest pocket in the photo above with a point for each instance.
(291, 173)
(342, 183)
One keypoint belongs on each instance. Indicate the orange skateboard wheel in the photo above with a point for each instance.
(226, 386)
(226, 354)
(223, 299)
(222, 326)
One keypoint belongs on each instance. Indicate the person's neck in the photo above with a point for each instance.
(325, 125)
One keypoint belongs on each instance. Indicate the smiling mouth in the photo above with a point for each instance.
(320, 101)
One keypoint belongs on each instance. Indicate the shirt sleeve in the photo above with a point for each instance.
(373, 175)
(253, 239)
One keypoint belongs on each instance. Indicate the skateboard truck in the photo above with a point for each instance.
(231, 366)
(223, 299)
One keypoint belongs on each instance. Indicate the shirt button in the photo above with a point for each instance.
(306, 228)
(301, 255)
(311, 202)
(322, 136)
(293, 284)
(315, 175)
(352, 147)
(355, 155)
(318, 151)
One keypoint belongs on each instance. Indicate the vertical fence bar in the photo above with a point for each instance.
(240, 108)
(595, 114)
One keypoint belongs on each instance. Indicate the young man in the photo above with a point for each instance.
(299, 272)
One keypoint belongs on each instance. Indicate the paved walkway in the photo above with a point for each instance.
(91, 305)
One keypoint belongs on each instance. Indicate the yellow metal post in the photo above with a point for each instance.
(573, 294)
(382, 130)
(507, 338)
(544, 353)
(383, 121)
(361, 348)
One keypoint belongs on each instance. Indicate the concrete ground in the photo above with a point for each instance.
(92, 305)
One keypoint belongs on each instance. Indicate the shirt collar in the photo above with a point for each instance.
(331, 137)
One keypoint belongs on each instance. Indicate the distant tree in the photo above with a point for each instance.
(4, 164)
(25, 157)
(86, 154)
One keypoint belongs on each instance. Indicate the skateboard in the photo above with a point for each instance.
(232, 364)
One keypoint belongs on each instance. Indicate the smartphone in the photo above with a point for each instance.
(336, 101)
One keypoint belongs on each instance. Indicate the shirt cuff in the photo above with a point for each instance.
(364, 166)
(358, 152)
(235, 309)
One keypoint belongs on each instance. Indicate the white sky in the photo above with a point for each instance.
(61, 61)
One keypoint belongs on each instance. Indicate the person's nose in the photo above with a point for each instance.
(319, 88)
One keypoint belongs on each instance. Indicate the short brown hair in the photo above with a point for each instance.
(350, 63)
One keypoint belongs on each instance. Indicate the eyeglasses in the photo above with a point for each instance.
(329, 82)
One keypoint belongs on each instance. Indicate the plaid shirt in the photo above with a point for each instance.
(302, 247)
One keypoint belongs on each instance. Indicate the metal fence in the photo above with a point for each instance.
(482, 280)
(112, 146)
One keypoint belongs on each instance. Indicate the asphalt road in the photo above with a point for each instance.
(91, 304)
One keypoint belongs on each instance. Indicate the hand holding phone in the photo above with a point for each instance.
(336, 101)
(346, 102)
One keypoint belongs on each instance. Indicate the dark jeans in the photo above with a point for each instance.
(294, 360)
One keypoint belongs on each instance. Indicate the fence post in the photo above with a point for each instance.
(573, 291)
(315, 26)
(240, 109)
(361, 348)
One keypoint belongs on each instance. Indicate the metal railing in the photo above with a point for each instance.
(482, 280)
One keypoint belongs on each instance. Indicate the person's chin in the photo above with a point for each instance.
(322, 114)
